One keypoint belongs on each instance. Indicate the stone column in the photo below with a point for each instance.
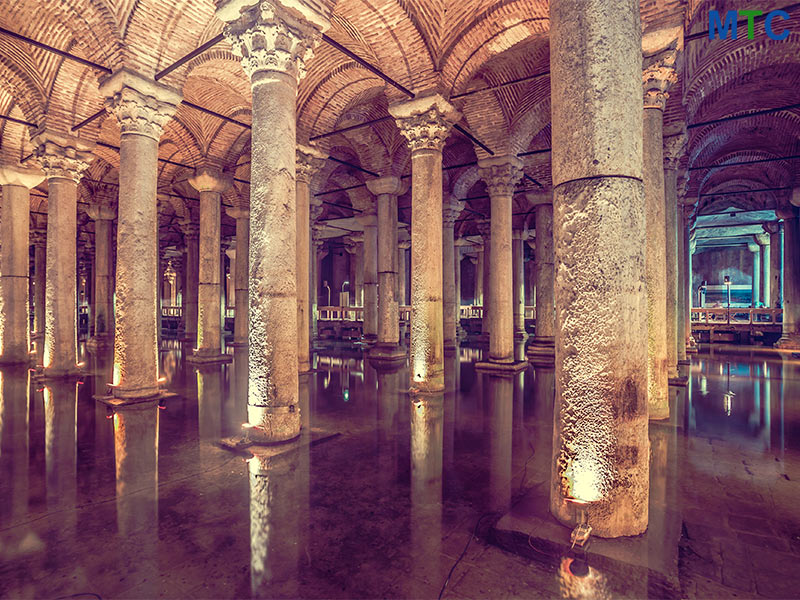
(672, 150)
(755, 289)
(388, 348)
(461, 244)
(240, 273)
(790, 338)
(600, 446)
(657, 78)
(273, 42)
(764, 241)
(316, 250)
(369, 263)
(39, 239)
(308, 161)
(541, 350)
(103, 215)
(355, 248)
(191, 238)
(688, 340)
(402, 269)
(518, 253)
(230, 282)
(63, 159)
(774, 268)
(501, 174)
(425, 122)
(450, 212)
(485, 260)
(142, 108)
(210, 183)
(682, 309)
(15, 262)
(479, 261)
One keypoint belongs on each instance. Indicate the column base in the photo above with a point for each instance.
(679, 381)
(672, 372)
(239, 344)
(99, 342)
(387, 354)
(15, 359)
(501, 367)
(50, 373)
(272, 424)
(788, 342)
(369, 339)
(481, 338)
(542, 352)
(684, 362)
(115, 403)
(209, 359)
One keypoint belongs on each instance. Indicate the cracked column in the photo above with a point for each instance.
(103, 215)
(600, 446)
(541, 350)
(673, 148)
(273, 39)
(388, 348)
(142, 108)
(210, 183)
(309, 160)
(63, 160)
(450, 300)
(657, 79)
(369, 268)
(501, 174)
(790, 338)
(17, 183)
(241, 270)
(425, 122)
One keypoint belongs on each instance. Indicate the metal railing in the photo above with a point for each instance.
(736, 316)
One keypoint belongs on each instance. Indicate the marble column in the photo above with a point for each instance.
(355, 248)
(402, 269)
(790, 338)
(541, 350)
(657, 77)
(273, 42)
(230, 282)
(15, 262)
(388, 348)
(688, 340)
(142, 108)
(39, 239)
(461, 244)
(764, 295)
(755, 288)
(450, 212)
(682, 308)
(317, 244)
(369, 264)
(308, 161)
(673, 148)
(600, 446)
(518, 253)
(103, 215)
(63, 159)
(209, 183)
(425, 122)
(501, 174)
(191, 238)
(774, 270)
(479, 261)
(240, 274)
(485, 259)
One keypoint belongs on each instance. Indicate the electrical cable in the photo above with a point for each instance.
(463, 552)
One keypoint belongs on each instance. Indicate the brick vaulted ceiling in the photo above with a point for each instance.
(458, 47)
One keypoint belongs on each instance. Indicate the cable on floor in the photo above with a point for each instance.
(463, 552)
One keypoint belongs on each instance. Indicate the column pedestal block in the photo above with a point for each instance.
(272, 424)
(201, 358)
(542, 351)
(787, 342)
(388, 354)
(99, 342)
(502, 367)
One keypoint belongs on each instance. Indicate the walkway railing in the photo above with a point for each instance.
(736, 316)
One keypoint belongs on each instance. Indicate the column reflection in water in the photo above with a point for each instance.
(209, 402)
(452, 384)
(543, 421)
(500, 401)
(388, 423)
(664, 526)
(60, 409)
(14, 448)
(136, 452)
(102, 371)
(427, 416)
(235, 403)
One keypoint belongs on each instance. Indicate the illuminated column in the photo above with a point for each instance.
(425, 122)
(790, 339)
(191, 238)
(756, 281)
(386, 190)
(450, 301)
(673, 148)
(240, 274)
(658, 77)
(273, 41)
(308, 161)
(541, 350)
(773, 270)
(142, 108)
(103, 215)
(600, 446)
(485, 259)
(518, 252)
(479, 256)
(316, 248)
(14, 262)
(766, 259)
(39, 240)
(63, 159)
(369, 263)
(688, 210)
(682, 308)
(402, 268)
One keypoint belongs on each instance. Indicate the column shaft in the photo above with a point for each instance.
(209, 336)
(766, 260)
(388, 307)
(39, 285)
(14, 267)
(104, 281)
(486, 286)
(518, 252)
(687, 281)
(241, 320)
(501, 277)
(682, 310)
(370, 278)
(191, 266)
(671, 219)
(449, 283)
(542, 348)
(303, 247)
(756, 289)
(775, 268)
(790, 339)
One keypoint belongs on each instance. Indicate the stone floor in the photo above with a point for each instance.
(380, 496)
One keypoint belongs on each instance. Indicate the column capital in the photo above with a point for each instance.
(190, 229)
(392, 186)
(753, 247)
(101, 212)
(657, 78)
(425, 121)
(141, 105)
(501, 174)
(403, 238)
(786, 212)
(352, 244)
(273, 35)
(39, 237)
(450, 212)
(762, 239)
(62, 156)
(367, 220)
(309, 160)
(20, 176)
(674, 148)
(207, 179)
(771, 228)
(237, 212)
(315, 210)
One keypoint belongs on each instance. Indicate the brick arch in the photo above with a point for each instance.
(19, 78)
(13, 136)
(464, 182)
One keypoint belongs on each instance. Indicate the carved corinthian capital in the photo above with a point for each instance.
(657, 78)
(62, 156)
(425, 122)
(450, 212)
(674, 148)
(501, 174)
(272, 35)
(142, 106)
(309, 160)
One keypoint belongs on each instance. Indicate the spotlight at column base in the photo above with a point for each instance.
(272, 424)
(606, 519)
